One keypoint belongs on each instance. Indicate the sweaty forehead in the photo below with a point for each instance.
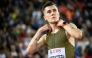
(50, 8)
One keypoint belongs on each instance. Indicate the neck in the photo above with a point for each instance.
(54, 27)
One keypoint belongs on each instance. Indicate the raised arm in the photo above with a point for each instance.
(36, 43)
(71, 29)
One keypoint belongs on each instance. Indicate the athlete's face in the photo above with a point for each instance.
(51, 14)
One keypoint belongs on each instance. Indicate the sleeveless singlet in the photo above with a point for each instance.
(59, 40)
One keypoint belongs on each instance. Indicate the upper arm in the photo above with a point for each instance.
(41, 42)
(70, 38)
(73, 25)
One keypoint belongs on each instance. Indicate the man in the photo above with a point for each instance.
(59, 37)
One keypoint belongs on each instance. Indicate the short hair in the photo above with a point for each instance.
(49, 3)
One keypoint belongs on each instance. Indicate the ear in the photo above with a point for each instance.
(44, 17)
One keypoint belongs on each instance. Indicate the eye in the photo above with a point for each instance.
(48, 11)
(54, 10)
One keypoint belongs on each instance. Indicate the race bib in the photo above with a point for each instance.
(56, 53)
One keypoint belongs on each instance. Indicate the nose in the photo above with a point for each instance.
(53, 13)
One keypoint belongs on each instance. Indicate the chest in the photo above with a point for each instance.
(57, 39)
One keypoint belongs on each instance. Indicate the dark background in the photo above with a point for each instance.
(20, 19)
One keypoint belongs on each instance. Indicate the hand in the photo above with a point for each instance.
(60, 22)
(45, 28)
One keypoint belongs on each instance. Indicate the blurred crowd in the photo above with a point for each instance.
(20, 19)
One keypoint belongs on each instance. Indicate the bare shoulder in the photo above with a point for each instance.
(72, 40)
(43, 38)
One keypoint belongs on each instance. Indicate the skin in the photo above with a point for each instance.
(51, 14)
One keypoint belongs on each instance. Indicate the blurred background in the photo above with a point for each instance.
(20, 19)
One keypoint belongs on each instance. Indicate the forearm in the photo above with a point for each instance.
(33, 43)
(73, 31)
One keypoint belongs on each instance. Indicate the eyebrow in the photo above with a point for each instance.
(53, 9)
